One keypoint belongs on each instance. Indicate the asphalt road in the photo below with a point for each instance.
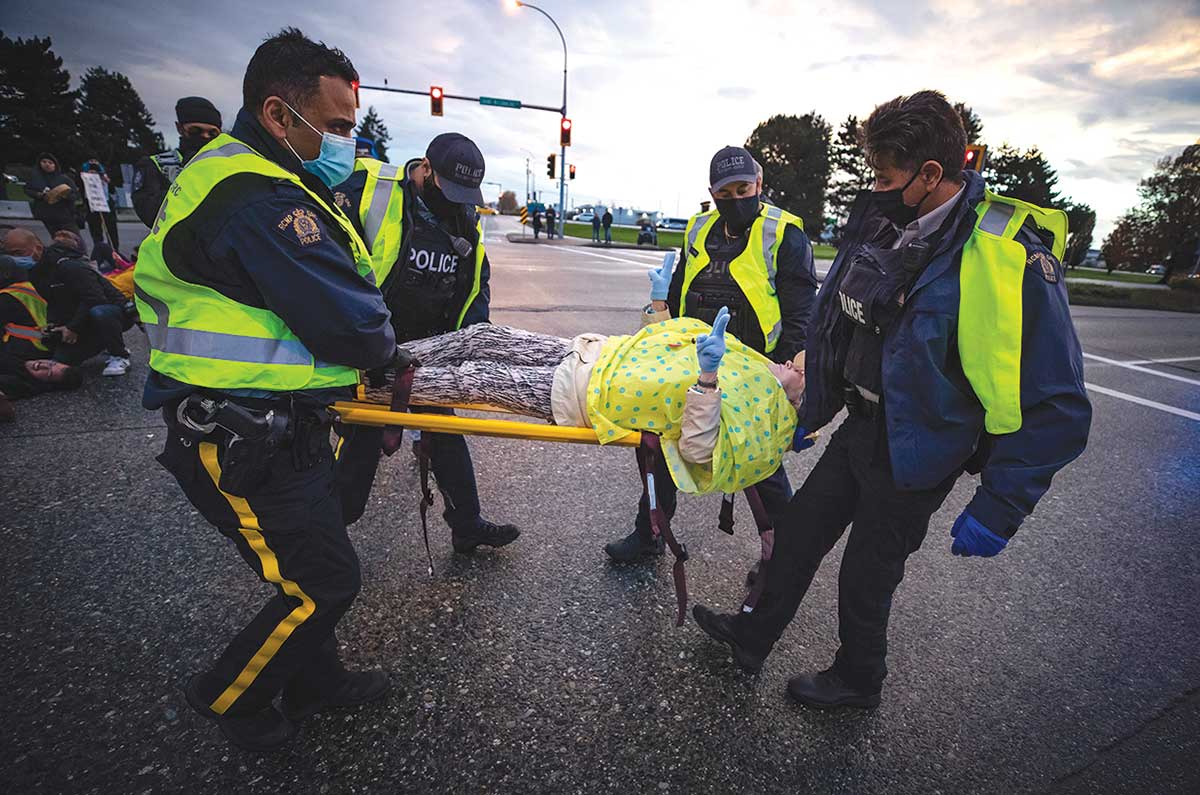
(1067, 664)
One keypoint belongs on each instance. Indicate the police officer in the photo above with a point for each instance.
(260, 305)
(426, 241)
(198, 122)
(756, 259)
(943, 329)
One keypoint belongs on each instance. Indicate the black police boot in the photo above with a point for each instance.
(634, 547)
(357, 687)
(720, 628)
(265, 730)
(826, 689)
(483, 533)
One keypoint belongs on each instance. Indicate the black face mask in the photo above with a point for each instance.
(189, 145)
(437, 202)
(890, 203)
(738, 213)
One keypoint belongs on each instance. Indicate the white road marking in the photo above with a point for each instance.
(645, 265)
(1191, 415)
(1129, 366)
(1166, 361)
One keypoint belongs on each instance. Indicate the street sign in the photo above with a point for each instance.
(500, 103)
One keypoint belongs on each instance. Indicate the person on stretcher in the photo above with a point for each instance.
(725, 414)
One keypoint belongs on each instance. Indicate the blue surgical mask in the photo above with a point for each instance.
(335, 163)
(24, 262)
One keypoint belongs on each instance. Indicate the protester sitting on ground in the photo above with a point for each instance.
(85, 312)
(663, 379)
(22, 312)
(52, 195)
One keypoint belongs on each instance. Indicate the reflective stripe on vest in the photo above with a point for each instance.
(24, 294)
(753, 270)
(381, 211)
(199, 336)
(169, 164)
(474, 292)
(990, 306)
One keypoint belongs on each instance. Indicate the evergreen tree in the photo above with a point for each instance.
(372, 127)
(794, 154)
(37, 105)
(1023, 175)
(114, 123)
(1081, 221)
(851, 173)
(971, 122)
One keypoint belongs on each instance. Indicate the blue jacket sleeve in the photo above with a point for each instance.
(307, 276)
(796, 287)
(480, 309)
(1055, 411)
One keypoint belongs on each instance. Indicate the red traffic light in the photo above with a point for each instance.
(435, 100)
(565, 136)
(974, 157)
(354, 85)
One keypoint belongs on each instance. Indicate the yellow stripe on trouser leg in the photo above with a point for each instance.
(270, 568)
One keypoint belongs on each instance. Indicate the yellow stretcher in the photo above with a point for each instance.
(360, 412)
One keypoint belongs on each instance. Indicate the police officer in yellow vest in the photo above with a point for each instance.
(198, 121)
(755, 259)
(261, 307)
(943, 329)
(426, 241)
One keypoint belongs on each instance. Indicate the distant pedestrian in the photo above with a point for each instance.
(595, 228)
(52, 195)
(550, 217)
(99, 222)
(606, 221)
(537, 224)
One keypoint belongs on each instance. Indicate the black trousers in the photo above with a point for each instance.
(449, 459)
(290, 533)
(104, 331)
(775, 491)
(99, 223)
(851, 483)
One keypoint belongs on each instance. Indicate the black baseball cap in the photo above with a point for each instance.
(731, 164)
(459, 164)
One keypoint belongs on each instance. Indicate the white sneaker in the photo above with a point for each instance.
(116, 365)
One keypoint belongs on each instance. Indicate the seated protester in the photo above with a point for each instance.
(22, 313)
(20, 378)
(83, 308)
(715, 436)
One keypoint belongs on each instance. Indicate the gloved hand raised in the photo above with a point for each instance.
(660, 279)
(972, 538)
(710, 348)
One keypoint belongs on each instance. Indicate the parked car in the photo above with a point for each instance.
(584, 217)
(673, 223)
(1157, 270)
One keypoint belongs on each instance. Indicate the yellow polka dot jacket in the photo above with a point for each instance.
(640, 383)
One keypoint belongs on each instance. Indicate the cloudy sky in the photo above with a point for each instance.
(1105, 88)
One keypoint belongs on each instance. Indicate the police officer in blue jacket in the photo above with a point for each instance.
(887, 344)
(439, 282)
(250, 227)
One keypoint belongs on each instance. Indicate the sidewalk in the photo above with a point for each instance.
(517, 237)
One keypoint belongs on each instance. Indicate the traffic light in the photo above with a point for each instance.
(571, 170)
(975, 157)
(435, 100)
(564, 138)
(550, 161)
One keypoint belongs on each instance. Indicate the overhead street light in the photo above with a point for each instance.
(565, 128)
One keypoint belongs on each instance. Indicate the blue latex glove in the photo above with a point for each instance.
(799, 440)
(972, 538)
(660, 279)
(710, 348)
